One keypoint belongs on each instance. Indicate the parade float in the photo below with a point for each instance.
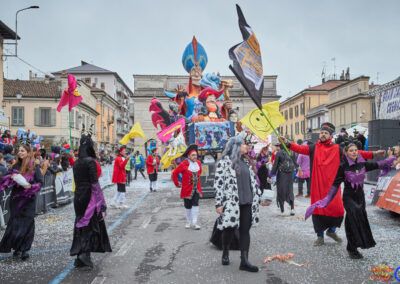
(197, 113)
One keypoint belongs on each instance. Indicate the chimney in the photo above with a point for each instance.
(348, 74)
(30, 75)
(323, 80)
(46, 79)
(342, 76)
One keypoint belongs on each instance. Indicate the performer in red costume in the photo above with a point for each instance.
(190, 187)
(119, 177)
(152, 163)
(324, 164)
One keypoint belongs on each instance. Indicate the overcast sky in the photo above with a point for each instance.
(129, 37)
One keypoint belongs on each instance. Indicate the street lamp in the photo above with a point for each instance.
(16, 25)
(19, 96)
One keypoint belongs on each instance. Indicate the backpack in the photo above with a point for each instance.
(286, 164)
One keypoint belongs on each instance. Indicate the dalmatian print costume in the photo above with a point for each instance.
(226, 195)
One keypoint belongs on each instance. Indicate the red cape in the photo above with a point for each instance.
(325, 166)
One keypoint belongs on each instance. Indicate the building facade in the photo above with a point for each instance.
(35, 109)
(349, 104)
(153, 86)
(114, 87)
(315, 117)
(5, 34)
(296, 108)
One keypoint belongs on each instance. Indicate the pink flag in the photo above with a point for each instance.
(70, 96)
(166, 133)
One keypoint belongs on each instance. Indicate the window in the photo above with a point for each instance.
(291, 113)
(296, 111)
(353, 112)
(17, 116)
(87, 81)
(342, 116)
(333, 117)
(302, 108)
(286, 115)
(296, 126)
(286, 131)
(291, 131)
(102, 85)
(319, 121)
(303, 126)
(77, 120)
(44, 117)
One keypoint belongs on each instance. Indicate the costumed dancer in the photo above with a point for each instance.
(90, 233)
(262, 169)
(24, 179)
(324, 164)
(303, 174)
(237, 199)
(119, 177)
(283, 168)
(152, 163)
(190, 169)
(352, 171)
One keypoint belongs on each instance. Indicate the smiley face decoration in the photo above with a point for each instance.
(256, 122)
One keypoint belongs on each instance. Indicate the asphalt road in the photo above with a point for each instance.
(151, 245)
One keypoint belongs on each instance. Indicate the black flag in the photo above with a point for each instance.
(247, 64)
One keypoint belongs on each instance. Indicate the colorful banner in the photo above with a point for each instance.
(255, 122)
(388, 104)
(211, 135)
(390, 196)
(166, 134)
(247, 64)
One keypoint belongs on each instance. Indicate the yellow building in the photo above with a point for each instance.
(31, 104)
(105, 106)
(295, 108)
(349, 105)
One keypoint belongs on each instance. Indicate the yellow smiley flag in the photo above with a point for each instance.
(256, 122)
(136, 131)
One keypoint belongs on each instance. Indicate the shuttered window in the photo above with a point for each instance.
(45, 117)
(17, 116)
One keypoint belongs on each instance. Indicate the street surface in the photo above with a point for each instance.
(151, 245)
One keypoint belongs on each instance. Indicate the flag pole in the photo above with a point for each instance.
(70, 136)
(259, 107)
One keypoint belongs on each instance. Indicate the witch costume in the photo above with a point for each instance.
(190, 187)
(20, 230)
(283, 168)
(352, 173)
(324, 163)
(90, 233)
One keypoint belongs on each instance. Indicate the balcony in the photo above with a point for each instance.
(119, 117)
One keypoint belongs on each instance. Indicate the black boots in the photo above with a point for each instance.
(225, 256)
(355, 254)
(84, 260)
(24, 255)
(245, 264)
